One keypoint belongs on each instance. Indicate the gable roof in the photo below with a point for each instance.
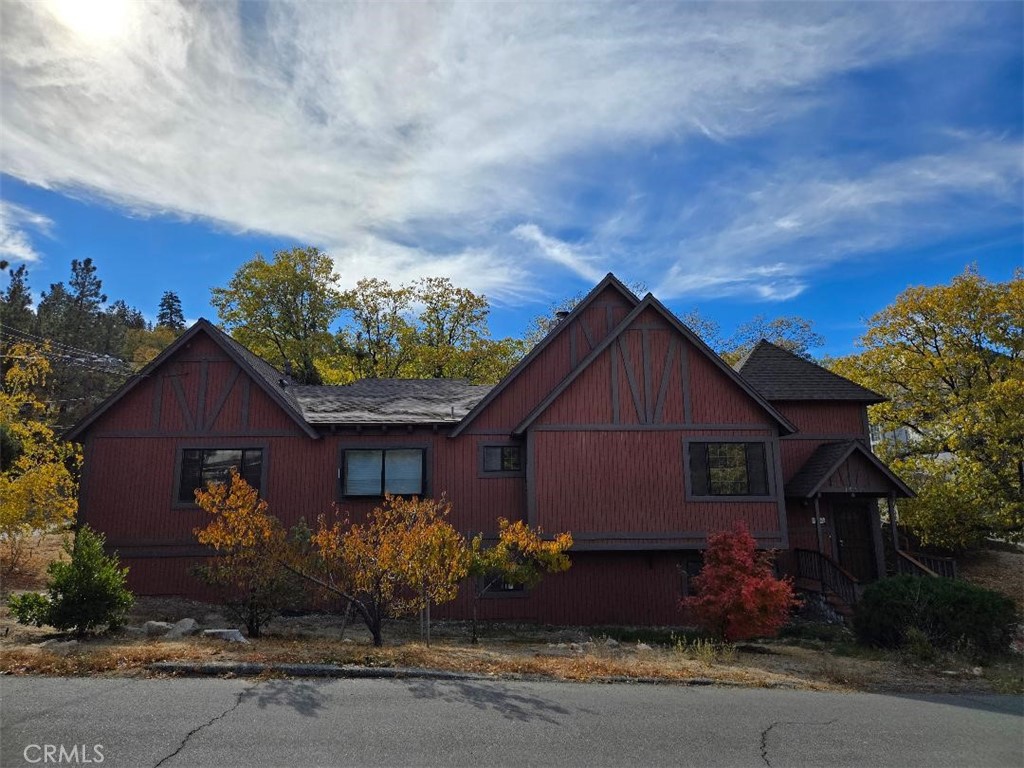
(649, 302)
(389, 401)
(609, 280)
(367, 401)
(779, 374)
(826, 459)
(266, 376)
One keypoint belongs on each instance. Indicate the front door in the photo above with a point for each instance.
(851, 519)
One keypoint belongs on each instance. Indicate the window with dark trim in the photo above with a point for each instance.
(398, 471)
(728, 469)
(494, 584)
(202, 466)
(502, 458)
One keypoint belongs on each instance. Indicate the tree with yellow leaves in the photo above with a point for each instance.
(37, 483)
(519, 558)
(950, 358)
(251, 544)
(406, 557)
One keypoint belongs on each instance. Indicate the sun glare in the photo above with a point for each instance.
(94, 21)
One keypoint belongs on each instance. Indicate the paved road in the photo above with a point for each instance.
(212, 722)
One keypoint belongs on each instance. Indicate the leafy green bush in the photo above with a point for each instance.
(30, 608)
(952, 615)
(85, 592)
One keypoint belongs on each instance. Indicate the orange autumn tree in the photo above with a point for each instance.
(406, 557)
(738, 596)
(251, 544)
(520, 557)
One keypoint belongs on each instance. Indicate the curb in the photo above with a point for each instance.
(351, 671)
(251, 669)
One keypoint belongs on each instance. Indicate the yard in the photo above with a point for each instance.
(807, 656)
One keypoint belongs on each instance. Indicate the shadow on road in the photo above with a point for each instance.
(304, 698)
(1003, 704)
(513, 705)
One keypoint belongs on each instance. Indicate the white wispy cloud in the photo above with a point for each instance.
(415, 139)
(18, 225)
(558, 251)
(769, 234)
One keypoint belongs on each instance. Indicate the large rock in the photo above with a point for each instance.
(183, 628)
(156, 628)
(59, 646)
(227, 635)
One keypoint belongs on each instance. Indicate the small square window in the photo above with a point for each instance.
(502, 458)
(494, 584)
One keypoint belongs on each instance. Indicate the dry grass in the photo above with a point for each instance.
(832, 666)
(120, 657)
(29, 573)
(556, 653)
(997, 570)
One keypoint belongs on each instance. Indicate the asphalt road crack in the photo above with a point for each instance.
(766, 731)
(239, 698)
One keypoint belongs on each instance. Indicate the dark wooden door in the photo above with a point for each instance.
(851, 520)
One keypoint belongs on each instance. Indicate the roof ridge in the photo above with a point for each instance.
(608, 280)
(650, 301)
(776, 382)
(238, 352)
(738, 365)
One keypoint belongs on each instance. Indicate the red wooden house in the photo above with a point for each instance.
(620, 426)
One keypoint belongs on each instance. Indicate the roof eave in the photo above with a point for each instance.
(857, 445)
(75, 431)
(609, 280)
(202, 324)
(649, 301)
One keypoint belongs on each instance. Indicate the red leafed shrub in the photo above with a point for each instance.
(737, 595)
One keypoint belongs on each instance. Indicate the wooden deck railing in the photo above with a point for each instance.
(942, 566)
(920, 564)
(821, 568)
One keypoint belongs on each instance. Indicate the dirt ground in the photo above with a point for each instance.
(809, 656)
(831, 662)
(995, 569)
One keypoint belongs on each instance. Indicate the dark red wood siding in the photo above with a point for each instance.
(842, 419)
(605, 461)
(607, 454)
(822, 422)
(641, 588)
(554, 363)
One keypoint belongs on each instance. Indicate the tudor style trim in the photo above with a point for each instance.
(227, 345)
(649, 302)
(609, 280)
(852, 447)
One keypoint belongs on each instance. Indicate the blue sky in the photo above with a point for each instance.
(810, 159)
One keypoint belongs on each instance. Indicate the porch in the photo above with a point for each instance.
(835, 528)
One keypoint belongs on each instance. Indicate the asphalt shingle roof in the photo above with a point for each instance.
(389, 401)
(270, 375)
(826, 459)
(778, 374)
(370, 401)
(817, 468)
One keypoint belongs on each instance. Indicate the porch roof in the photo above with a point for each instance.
(845, 467)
